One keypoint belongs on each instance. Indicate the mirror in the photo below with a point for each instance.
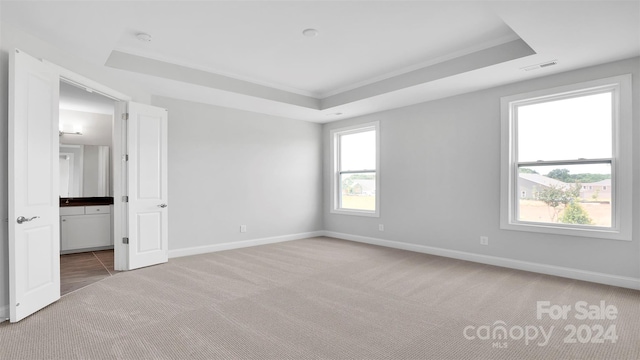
(84, 171)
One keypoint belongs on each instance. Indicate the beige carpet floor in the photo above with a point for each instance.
(325, 298)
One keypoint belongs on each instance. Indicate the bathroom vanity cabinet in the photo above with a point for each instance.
(85, 228)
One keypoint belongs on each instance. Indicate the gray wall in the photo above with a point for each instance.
(229, 168)
(440, 181)
(96, 129)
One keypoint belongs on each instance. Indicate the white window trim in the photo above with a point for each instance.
(335, 163)
(621, 166)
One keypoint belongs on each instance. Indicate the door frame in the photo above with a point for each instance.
(119, 139)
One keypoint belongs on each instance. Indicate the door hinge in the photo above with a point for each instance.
(125, 116)
(125, 198)
(125, 240)
(125, 157)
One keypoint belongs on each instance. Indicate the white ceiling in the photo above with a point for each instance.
(369, 55)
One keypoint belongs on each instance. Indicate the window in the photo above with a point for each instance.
(355, 185)
(561, 145)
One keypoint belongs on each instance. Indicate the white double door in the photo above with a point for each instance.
(34, 227)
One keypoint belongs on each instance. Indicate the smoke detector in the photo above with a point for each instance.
(310, 32)
(144, 37)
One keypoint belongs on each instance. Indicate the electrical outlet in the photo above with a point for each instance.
(243, 228)
(381, 227)
(484, 240)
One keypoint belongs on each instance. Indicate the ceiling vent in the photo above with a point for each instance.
(540, 66)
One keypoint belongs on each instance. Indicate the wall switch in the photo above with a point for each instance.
(381, 227)
(243, 228)
(484, 240)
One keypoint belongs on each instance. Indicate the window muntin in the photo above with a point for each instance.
(593, 139)
(355, 185)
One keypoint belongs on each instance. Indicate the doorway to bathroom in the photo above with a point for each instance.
(86, 124)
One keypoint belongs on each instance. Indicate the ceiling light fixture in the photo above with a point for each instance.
(69, 133)
(310, 32)
(144, 37)
(77, 130)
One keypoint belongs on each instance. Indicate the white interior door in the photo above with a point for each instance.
(34, 236)
(147, 185)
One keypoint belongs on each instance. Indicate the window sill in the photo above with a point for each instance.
(599, 233)
(355, 212)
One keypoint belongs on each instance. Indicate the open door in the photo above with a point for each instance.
(34, 214)
(147, 214)
(34, 235)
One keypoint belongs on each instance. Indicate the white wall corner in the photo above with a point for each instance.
(241, 244)
(4, 313)
(571, 273)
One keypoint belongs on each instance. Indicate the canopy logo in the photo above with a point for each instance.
(595, 333)
(499, 331)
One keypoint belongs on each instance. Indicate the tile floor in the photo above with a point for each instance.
(81, 269)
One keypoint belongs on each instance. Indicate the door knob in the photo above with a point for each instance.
(22, 219)
(163, 205)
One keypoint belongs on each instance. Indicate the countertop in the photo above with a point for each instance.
(85, 201)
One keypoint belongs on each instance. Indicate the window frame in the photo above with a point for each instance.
(621, 159)
(335, 135)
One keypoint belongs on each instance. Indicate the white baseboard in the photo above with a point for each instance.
(601, 278)
(241, 244)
